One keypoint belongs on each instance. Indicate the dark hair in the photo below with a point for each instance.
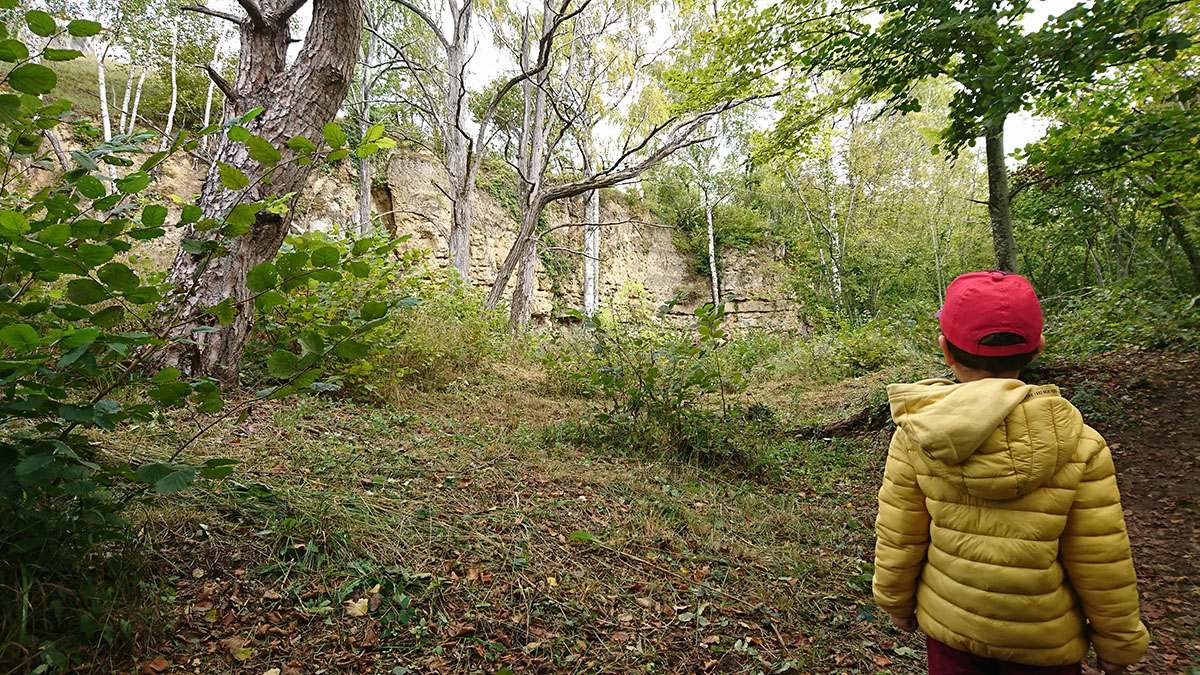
(994, 364)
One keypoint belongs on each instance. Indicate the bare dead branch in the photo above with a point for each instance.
(437, 31)
(290, 9)
(201, 9)
(222, 83)
(253, 11)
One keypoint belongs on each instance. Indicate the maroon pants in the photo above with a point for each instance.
(944, 660)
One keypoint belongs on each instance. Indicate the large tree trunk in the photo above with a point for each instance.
(532, 162)
(522, 299)
(459, 163)
(297, 101)
(1003, 242)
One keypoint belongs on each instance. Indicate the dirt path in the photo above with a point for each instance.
(1147, 405)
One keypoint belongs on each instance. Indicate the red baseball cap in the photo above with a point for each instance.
(979, 304)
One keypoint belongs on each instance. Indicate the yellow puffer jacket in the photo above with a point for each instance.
(1000, 523)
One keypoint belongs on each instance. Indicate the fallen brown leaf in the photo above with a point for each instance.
(155, 665)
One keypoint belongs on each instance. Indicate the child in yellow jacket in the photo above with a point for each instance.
(1000, 531)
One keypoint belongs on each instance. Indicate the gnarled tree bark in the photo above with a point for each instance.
(297, 100)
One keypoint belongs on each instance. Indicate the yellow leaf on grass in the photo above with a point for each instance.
(357, 607)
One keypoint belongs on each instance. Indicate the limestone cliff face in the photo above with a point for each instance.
(641, 264)
(640, 260)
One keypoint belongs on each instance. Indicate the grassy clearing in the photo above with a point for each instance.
(479, 540)
(460, 524)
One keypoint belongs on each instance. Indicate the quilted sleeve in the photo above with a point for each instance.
(901, 532)
(1095, 552)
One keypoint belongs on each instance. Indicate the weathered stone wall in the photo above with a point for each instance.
(641, 264)
(640, 260)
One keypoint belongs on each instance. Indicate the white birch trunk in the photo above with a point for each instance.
(591, 254)
(208, 100)
(105, 119)
(166, 139)
(125, 99)
(364, 123)
(712, 250)
(137, 100)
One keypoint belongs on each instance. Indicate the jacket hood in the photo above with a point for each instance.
(1000, 438)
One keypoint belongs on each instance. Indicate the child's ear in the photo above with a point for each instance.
(945, 345)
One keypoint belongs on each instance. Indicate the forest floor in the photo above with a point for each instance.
(460, 532)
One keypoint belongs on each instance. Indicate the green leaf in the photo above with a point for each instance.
(326, 256)
(94, 255)
(262, 278)
(85, 291)
(360, 269)
(191, 213)
(336, 155)
(61, 54)
(154, 160)
(262, 151)
(108, 317)
(80, 338)
(325, 276)
(334, 136)
(282, 364)
(89, 186)
(170, 393)
(55, 235)
(231, 177)
(175, 481)
(32, 464)
(268, 300)
(225, 311)
(83, 28)
(12, 225)
(301, 144)
(374, 133)
(118, 276)
(84, 160)
(366, 150)
(13, 50)
(242, 216)
(10, 108)
(238, 133)
(40, 23)
(311, 342)
(582, 536)
(152, 473)
(154, 215)
(32, 78)
(168, 374)
(250, 114)
(352, 350)
(133, 183)
(373, 310)
(21, 337)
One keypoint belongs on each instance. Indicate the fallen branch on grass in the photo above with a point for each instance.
(873, 417)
